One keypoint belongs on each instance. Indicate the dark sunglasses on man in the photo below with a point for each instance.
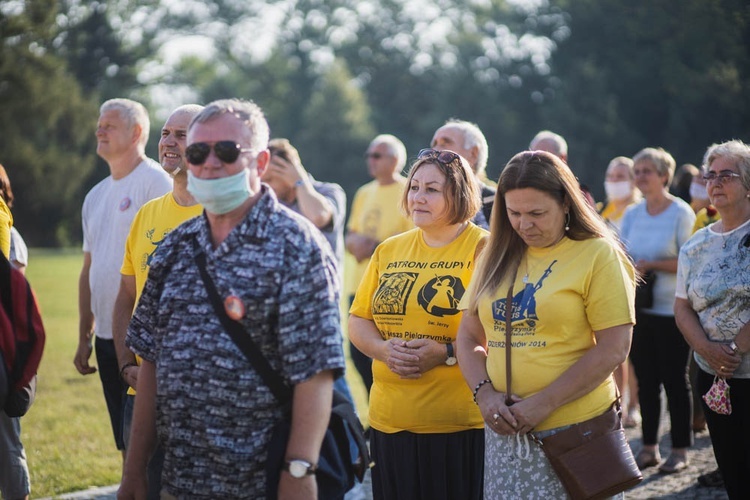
(226, 151)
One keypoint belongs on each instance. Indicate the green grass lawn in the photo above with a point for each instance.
(66, 433)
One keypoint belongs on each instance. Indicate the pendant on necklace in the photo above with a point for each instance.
(525, 279)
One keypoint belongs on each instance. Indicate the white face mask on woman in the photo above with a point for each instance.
(698, 191)
(618, 190)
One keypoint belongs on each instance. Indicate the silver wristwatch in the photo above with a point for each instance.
(299, 468)
(451, 359)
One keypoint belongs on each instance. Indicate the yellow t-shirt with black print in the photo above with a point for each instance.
(573, 289)
(153, 222)
(376, 214)
(412, 291)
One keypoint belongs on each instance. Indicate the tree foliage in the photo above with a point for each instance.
(612, 76)
(46, 123)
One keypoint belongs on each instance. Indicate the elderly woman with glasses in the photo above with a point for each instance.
(572, 289)
(653, 232)
(712, 309)
(427, 437)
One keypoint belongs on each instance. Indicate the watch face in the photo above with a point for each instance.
(298, 468)
(451, 361)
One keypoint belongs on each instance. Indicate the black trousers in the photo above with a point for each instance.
(411, 466)
(113, 386)
(730, 434)
(660, 357)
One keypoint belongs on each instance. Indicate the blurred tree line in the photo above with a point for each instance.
(611, 76)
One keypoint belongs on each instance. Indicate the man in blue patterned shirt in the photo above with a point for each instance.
(196, 390)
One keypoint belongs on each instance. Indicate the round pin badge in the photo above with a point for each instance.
(124, 204)
(234, 307)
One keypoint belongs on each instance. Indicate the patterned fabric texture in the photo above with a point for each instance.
(515, 467)
(214, 414)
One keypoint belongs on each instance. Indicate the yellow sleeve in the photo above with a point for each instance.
(6, 222)
(362, 305)
(610, 297)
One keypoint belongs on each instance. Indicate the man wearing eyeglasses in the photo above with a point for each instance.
(274, 274)
(375, 216)
(467, 139)
(108, 210)
(151, 225)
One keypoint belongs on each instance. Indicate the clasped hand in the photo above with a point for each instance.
(413, 358)
(520, 417)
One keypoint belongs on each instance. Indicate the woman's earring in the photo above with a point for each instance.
(567, 221)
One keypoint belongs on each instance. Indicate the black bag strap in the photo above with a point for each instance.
(237, 333)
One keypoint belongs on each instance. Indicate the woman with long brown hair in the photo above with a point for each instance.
(571, 319)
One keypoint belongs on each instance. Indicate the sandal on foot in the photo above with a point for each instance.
(675, 463)
(646, 459)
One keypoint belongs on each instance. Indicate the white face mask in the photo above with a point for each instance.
(618, 190)
(698, 192)
(220, 196)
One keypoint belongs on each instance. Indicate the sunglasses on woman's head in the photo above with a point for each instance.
(226, 151)
(445, 156)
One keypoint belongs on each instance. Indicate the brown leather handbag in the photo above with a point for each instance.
(592, 459)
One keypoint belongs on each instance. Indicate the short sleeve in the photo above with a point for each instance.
(680, 290)
(309, 319)
(610, 297)
(362, 305)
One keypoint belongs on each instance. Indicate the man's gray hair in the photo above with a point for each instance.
(734, 150)
(473, 136)
(133, 113)
(247, 112)
(561, 146)
(395, 147)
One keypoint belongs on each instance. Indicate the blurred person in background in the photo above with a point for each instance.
(711, 309)
(153, 222)
(551, 142)
(375, 216)
(682, 181)
(619, 185)
(466, 139)
(107, 213)
(14, 470)
(18, 253)
(653, 231)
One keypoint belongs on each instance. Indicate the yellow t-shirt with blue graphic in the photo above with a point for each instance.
(153, 222)
(412, 291)
(562, 295)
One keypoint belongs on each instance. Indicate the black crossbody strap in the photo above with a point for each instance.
(237, 333)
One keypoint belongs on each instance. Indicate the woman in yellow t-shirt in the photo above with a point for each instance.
(427, 437)
(572, 319)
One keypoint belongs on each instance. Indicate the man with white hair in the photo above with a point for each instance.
(466, 139)
(550, 142)
(108, 210)
(555, 144)
(375, 216)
